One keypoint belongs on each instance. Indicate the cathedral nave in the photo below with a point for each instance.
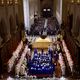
(39, 39)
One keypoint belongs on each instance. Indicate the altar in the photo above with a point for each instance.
(42, 43)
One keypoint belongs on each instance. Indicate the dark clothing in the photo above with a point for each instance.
(30, 46)
(0, 65)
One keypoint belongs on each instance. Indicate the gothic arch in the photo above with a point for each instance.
(77, 26)
(12, 24)
(17, 20)
(3, 29)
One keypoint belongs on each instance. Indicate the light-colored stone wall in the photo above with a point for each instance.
(34, 8)
(57, 10)
(74, 9)
(72, 40)
(54, 7)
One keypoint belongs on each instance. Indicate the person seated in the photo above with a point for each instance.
(35, 50)
(56, 56)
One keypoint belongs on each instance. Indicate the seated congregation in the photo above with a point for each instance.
(39, 63)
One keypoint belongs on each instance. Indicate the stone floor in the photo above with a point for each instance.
(54, 78)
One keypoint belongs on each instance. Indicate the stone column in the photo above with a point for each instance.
(39, 10)
(26, 14)
(54, 8)
(59, 11)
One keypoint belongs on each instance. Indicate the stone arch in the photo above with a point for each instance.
(12, 25)
(77, 28)
(3, 29)
(17, 21)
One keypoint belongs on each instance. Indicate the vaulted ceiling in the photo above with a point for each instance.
(46, 3)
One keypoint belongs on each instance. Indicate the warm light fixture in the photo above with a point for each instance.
(10, 1)
(44, 9)
(72, 1)
(7, 1)
(78, 1)
(2, 1)
(75, 1)
(16, 1)
(48, 9)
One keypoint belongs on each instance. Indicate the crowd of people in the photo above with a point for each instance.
(38, 28)
(52, 26)
(23, 55)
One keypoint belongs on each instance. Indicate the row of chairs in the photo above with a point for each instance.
(14, 57)
(68, 55)
(17, 64)
(62, 64)
(22, 63)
